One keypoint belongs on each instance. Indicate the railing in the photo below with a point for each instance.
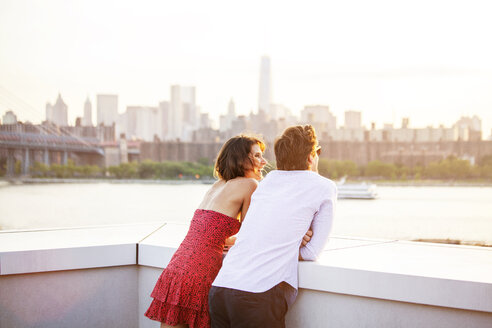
(102, 277)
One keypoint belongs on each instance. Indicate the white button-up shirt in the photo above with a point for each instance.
(283, 207)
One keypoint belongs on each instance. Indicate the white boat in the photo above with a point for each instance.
(356, 190)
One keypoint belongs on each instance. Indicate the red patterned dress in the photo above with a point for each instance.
(181, 292)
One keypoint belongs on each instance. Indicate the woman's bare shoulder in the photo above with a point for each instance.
(244, 183)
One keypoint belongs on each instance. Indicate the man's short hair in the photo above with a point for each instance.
(293, 147)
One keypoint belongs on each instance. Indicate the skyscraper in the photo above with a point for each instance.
(183, 114)
(353, 120)
(9, 118)
(320, 117)
(87, 119)
(107, 109)
(231, 108)
(163, 117)
(57, 113)
(190, 110)
(265, 92)
(175, 123)
(143, 122)
(225, 123)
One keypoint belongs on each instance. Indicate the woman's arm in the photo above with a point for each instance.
(249, 188)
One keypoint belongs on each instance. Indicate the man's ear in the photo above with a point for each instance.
(310, 160)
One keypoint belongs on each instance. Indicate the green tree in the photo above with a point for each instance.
(17, 167)
(40, 170)
(203, 161)
(146, 170)
(380, 169)
(124, 171)
(485, 160)
(334, 169)
(486, 171)
(449, 168)
(90, 171)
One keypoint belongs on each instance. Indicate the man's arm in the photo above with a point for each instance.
(321, 226)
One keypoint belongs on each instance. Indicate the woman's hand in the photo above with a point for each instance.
(307, 237)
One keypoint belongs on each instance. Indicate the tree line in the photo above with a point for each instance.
(451, 168)
(133, 170)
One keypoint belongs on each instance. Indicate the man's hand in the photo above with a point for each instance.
(307, 237)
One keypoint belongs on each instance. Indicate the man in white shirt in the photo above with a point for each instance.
(258, 279)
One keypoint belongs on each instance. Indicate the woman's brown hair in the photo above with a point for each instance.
(234, 156)
(293, 147)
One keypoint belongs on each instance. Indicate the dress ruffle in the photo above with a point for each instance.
(185, 290)
(175, 314)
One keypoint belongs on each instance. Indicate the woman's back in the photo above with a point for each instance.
(229, 197)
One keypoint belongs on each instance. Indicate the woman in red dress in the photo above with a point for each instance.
(181, 292)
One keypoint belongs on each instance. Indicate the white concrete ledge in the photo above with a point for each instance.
(69, 249)
(456, 277)
(157, 249)
(450, 276)
(440, 275)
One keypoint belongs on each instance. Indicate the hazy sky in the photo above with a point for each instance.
(430, 60)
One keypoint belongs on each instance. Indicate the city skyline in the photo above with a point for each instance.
(180, 119)
(428, 61)
(104, 102)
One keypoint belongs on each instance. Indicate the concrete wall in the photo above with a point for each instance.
(147, 277)
(322, 309)
(103, 297)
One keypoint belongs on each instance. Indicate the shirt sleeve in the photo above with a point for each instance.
(321, 226)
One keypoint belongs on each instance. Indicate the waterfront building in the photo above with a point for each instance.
(163, 116)
(401, 135)
(240, 124)
(279, 111)
(405, 123)
(353, 120)
(351, 131)
(183, 115)
(469, 128)
(121, 125)
(344, 134)
(107, 109)
(225, 121)
(190, 109)
(57, 113)
(207, 135)
(373, 134)
(101, 132)
(205, 121)
(143, 122)
(321, 118)
(87, 118)
(9, 118)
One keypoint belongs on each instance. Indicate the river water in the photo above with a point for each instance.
(405, 213)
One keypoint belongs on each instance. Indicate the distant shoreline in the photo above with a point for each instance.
(428, 183)
(382, 183)
(116, 181)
